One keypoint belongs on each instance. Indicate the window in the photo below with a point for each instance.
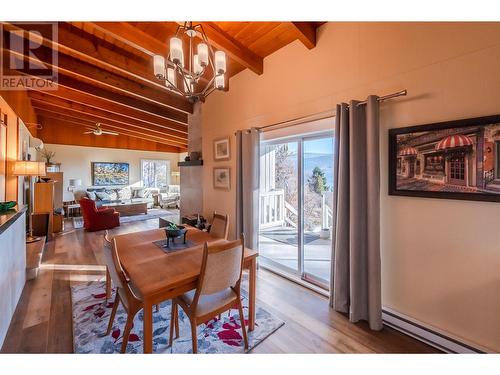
(155, 173)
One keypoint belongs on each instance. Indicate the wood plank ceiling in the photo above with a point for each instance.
(105, 75)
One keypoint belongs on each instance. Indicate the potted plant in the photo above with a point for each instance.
(48, 156)
(324, 234)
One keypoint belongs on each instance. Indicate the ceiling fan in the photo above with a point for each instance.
(99, 131)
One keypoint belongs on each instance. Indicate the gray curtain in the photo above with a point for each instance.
(355, 275)
(247, 185)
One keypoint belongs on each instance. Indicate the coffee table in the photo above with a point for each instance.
(129, 208)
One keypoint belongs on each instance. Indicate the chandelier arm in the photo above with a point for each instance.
(206, 93)
(209, 85)
(187, 84)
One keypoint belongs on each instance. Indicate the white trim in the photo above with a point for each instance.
(428, 334)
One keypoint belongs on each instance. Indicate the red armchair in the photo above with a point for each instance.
(98, 218)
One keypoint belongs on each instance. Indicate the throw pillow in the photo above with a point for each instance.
(92, 195)
(113, 195)
(125, 193)
(103, 196)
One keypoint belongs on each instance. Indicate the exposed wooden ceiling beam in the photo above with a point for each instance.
(100, 104)
(132, 36)
(85, 47)
(234, 49)
(89, 73)
(306, 33)
(64, 104)
(138, 129)
(58, 132)
(46, 118)
(114, 97)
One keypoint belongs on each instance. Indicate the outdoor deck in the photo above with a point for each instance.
(280, 245)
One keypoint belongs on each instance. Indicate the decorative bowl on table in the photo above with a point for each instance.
(174, 232)
(5, 206)
(45, 179)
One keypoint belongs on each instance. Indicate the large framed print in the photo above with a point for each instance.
(109, 174)
(452, 160)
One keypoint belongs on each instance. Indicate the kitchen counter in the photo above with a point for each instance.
(12, 264)
(10, 216)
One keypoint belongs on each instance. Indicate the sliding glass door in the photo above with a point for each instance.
(296, 207)
(279, 226)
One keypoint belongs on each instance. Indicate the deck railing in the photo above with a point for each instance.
(272, 208)
(276, 211)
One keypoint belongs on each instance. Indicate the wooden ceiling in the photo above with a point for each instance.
(105, 75)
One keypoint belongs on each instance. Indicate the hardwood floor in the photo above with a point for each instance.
(43, 323)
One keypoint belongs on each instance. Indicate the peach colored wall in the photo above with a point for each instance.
(440, 258)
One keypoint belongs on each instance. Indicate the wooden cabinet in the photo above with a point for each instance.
(43, 201)
(47, 197)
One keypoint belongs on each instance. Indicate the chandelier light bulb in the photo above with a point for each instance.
(172, 78)
(159, 66)
(203, 54)
(219, 82)
(176, 53)
(220, 62)
(197, 68)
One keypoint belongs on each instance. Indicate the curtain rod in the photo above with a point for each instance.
(329, 113)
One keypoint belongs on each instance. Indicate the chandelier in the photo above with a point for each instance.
(186, 76)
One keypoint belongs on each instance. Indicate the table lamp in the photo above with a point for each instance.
(74, 182)
(29, 169)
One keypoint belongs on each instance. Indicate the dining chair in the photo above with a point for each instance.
(218, 288)
(107, 245)
(125, 291)
(220, 226)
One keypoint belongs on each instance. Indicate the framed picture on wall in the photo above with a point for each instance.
(222, 178)
(452, 160)
(108, 174)
(222, 149)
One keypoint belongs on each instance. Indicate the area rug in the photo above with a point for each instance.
(288, 237)
(91, 317)
(153, 213)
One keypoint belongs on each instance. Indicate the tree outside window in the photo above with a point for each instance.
(155, 173)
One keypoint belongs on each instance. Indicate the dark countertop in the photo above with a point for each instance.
(10, 216)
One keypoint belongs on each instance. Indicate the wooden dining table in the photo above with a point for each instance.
(159, 276)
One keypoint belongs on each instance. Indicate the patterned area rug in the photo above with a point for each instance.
(91, 317)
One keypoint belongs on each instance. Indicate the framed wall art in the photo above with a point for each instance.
(222, 149)
(453, 160)
(222, 178)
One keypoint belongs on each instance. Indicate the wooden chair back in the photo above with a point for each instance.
(114, 271)
(221, 267)
(220, 226)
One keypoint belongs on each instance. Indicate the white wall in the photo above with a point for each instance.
(440, 258)
(76, 162)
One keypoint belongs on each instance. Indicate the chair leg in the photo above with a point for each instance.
(242, 320)
(108, 285)
(126, 332)
(173, 317)
(113, 313)
(194, 337)
(176, 321)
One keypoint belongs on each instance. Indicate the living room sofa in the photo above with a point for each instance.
(168, 197)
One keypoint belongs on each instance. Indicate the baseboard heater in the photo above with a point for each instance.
(424, 333)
